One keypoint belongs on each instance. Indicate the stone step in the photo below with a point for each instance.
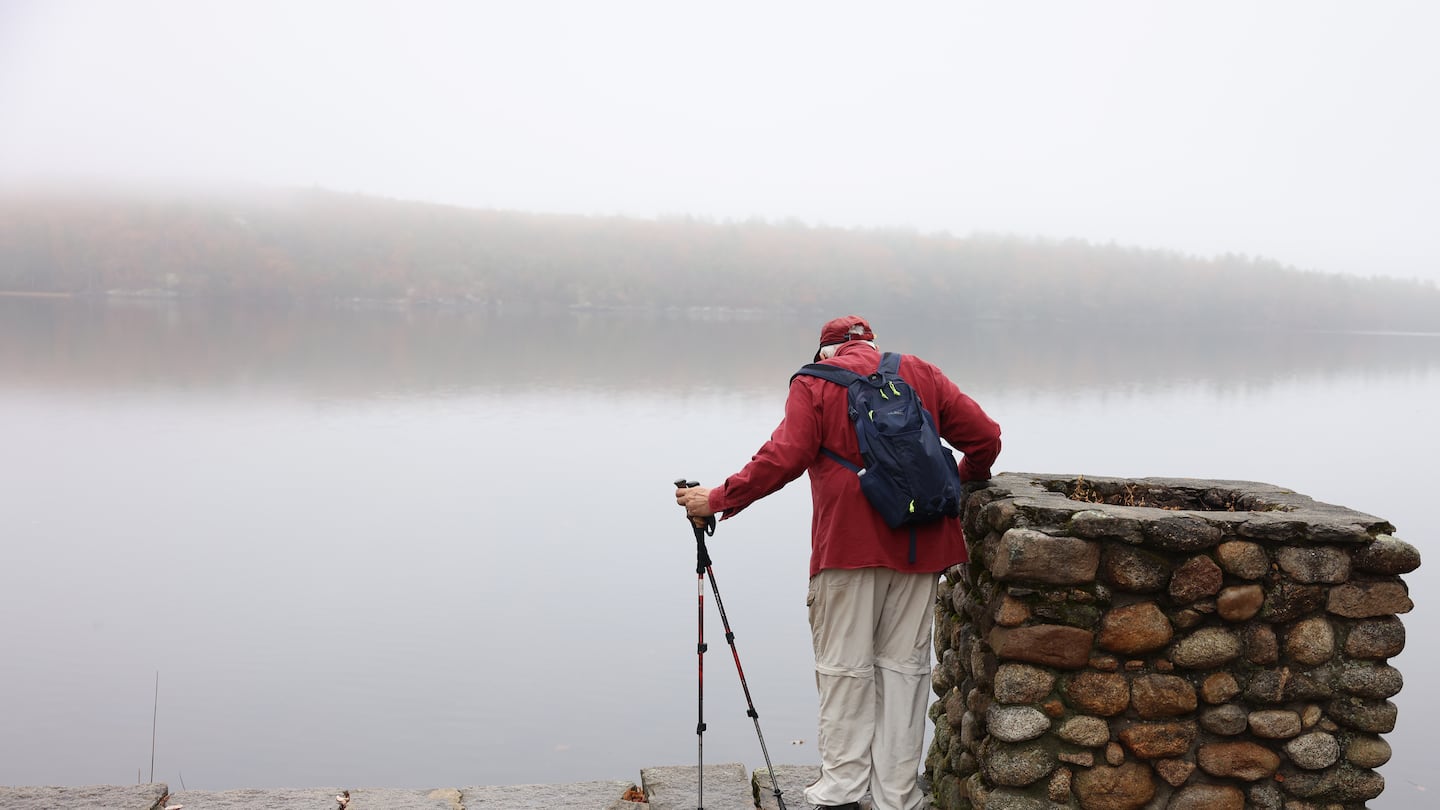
(90, 797)
(676, 787)
(321, 798)
(793, 780)
(598, 795)
(728, 786)
(604, 795)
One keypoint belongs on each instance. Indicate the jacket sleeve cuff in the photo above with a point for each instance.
(716, 501)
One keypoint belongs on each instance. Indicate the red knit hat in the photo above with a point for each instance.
(841, 330)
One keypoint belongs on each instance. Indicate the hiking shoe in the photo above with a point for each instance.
(846, 806)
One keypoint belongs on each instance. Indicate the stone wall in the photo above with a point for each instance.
(1165, 643)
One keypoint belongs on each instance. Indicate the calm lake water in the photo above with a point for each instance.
(439, 549)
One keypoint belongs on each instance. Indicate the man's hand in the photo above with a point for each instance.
(696, 501)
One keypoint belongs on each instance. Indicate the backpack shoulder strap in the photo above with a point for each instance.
(835, 374)
(890, 364)
(841, 377)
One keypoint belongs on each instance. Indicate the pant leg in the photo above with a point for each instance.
(902, 689)
(842, 615)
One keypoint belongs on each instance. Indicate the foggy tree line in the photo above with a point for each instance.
(323, 245)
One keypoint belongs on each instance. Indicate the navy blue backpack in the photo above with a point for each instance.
(909, 476)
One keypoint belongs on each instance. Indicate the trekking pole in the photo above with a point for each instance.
(702, 527)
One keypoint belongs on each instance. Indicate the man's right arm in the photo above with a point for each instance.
(966, 426)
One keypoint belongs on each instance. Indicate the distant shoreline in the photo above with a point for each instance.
(25, 294)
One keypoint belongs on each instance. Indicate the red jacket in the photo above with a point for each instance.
(846, 532)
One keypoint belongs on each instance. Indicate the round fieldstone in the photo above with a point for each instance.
(1126, 787)
(1084, 730)
(1206, 648)
(1197, 578)
(1022, 683)
(1268, 686)
(1059, 788)
(1375, 717)
(1340, 784)
(1259, 645)
(1388, 555)
(1011, 612)
(1367, 752)
(1156, 696)
(1367, 600)
(1315, 684)
(1127, 568)
(1219, 687)
(1239, 603)
(1016, 723)
(1011, 799)
(1310, 642)
(1097, 523)
(1227, 720)
(1158, 740)
(1134, 629)
(1187, 619)
(1313, 751)
(969, 729)
(1377, 681)
(1051, 645)
(1016, 765)
(1265, 796)
(999, 514)
(1375, 639)
(976, 700)
(1208, 797)
(1175, 771)
(1032, 556)
(1181, 532)
(1243, 559)
(1275, 724)
(954, 707)
(1315, 564)
(977, 663)
(1240, 760)
(975, 789)
(1357, 785)
(1288, 601)
(1102, 693)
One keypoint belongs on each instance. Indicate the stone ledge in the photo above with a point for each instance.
(598, 795)
(90, 797)
(727, 787)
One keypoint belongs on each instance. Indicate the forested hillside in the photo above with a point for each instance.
(328, 246)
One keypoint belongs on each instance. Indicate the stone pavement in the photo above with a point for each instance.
(728, 786)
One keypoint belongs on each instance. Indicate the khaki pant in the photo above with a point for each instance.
(871, 631)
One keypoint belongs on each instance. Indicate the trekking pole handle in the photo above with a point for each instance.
(703, 525)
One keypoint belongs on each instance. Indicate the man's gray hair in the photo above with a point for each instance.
(827, 352)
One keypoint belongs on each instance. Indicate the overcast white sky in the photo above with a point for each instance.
(1304, 131)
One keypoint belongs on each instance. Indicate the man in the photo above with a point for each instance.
(871, 605)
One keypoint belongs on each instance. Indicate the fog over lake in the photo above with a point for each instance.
(439, 548)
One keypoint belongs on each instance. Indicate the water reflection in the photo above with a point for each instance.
(336, 352)
(348, 559)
